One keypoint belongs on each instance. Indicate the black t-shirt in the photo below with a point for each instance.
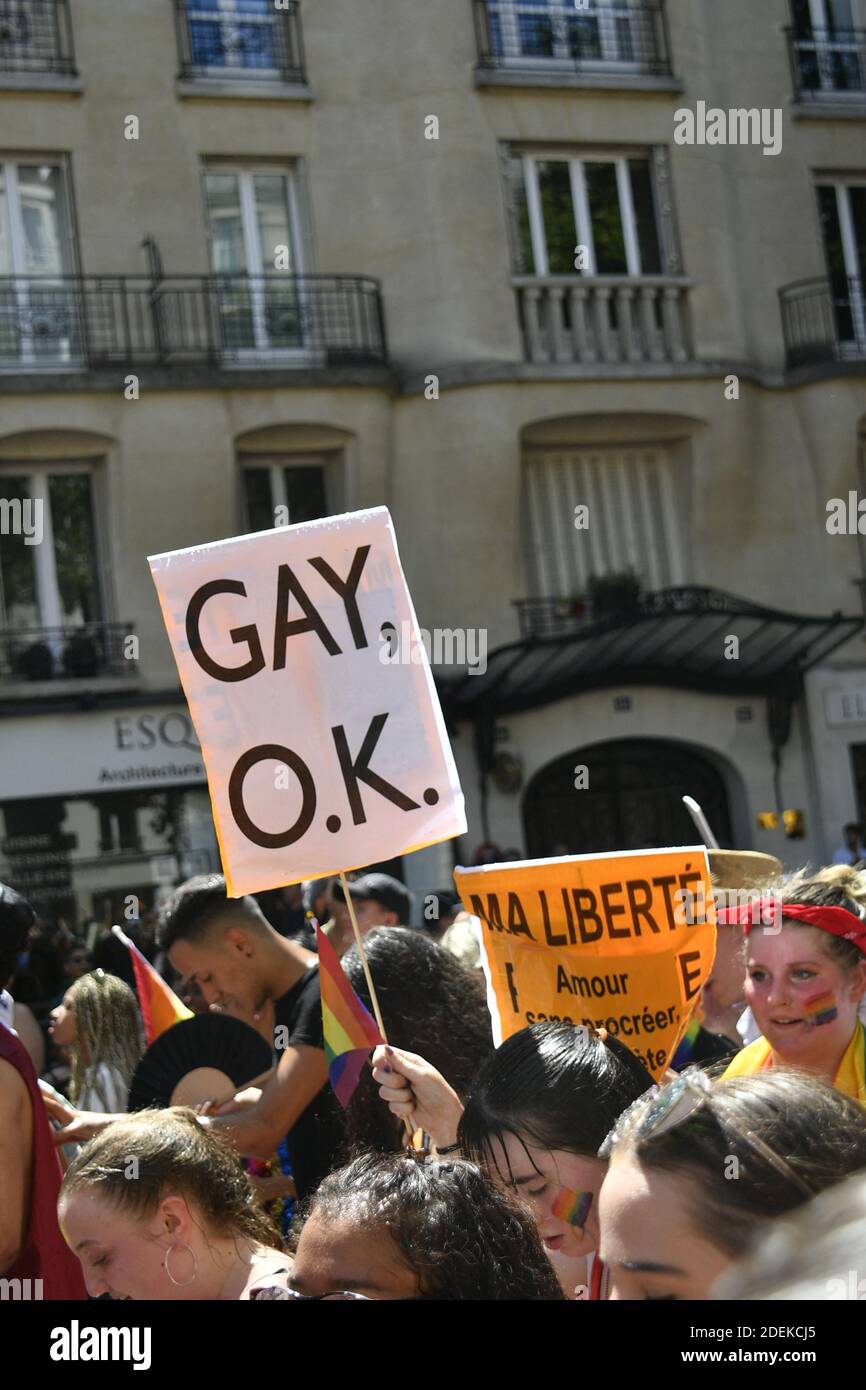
(315, 1140)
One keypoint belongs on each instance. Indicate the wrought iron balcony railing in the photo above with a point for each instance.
(36, 37)
(598, 39)
(603, 319)
(828, 64)
(824, 320)
(243, 39)
(66, 653)
(224, 320)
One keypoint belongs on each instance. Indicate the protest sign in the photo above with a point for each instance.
(320, 754)
(620, 941)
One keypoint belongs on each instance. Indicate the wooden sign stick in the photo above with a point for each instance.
(369, 978)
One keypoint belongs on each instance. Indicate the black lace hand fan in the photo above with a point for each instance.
(207, 1057)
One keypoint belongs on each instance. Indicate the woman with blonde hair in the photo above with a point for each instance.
(806, 978)
(98, 1022)
(155, 1207)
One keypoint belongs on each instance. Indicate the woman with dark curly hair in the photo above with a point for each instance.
(155, 1207)
(431, 1004)
(402, 1226)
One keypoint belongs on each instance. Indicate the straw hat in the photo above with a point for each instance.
(743, 868)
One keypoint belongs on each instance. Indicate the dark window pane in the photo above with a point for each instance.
(305, 491)
(857, 195)
(525, 256)
(829, 213)
(601, 192)
(74, 547)
(257, 494)
(584, 39)
(19, 605)
(645, 216)
(557, 211)
(802, 16)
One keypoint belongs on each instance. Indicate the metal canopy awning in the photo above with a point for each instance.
(673, 638)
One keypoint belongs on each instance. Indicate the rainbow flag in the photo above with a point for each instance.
(160, 1006)
(350, 1031)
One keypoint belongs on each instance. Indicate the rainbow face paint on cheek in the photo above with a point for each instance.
(572, 1206)
(821, 1008)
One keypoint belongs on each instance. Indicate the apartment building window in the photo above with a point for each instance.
(634, 523)
(253, 222)
(38, 312)
(600, 36)
(603, 203)
(240, 38)
(36, 36)
(299, 486)
(842, 209)
(51, 608)
(829, 47)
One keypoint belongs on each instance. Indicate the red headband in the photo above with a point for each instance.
(838, 921)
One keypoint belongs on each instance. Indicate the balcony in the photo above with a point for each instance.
(40, 660)
(35, 38)
(824, 320)
(72, 323)
(550, 43)
(239, 41)
(604, 320)
(828, 66)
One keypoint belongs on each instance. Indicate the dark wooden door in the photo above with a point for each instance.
(633, 799)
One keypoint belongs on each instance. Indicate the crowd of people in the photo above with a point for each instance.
(551, 1167)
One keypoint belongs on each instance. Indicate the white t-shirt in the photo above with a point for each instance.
(109, 1096)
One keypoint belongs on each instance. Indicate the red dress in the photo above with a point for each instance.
(45, 1254)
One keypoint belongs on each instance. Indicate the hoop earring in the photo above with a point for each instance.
(178, 1283)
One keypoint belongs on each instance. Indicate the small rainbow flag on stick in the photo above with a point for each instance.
(350, 1031)
(160, 1006)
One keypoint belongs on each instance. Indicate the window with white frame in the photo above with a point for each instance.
(600, 33)
(301, 485)
(49, 570)
(603, 203)
(38, 316)
(256, 251)
(633, 519)
(842, 210)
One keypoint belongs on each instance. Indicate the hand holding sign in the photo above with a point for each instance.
(342, 759)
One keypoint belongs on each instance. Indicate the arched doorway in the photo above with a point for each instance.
(633, 799)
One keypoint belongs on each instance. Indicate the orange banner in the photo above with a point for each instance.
(620, 941)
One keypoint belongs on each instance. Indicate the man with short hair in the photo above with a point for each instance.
(227, 948)
(31, 1245)
(379, 901)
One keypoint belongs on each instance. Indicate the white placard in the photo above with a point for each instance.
(321, 754)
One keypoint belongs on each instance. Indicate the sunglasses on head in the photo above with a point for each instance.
(674, 1104)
